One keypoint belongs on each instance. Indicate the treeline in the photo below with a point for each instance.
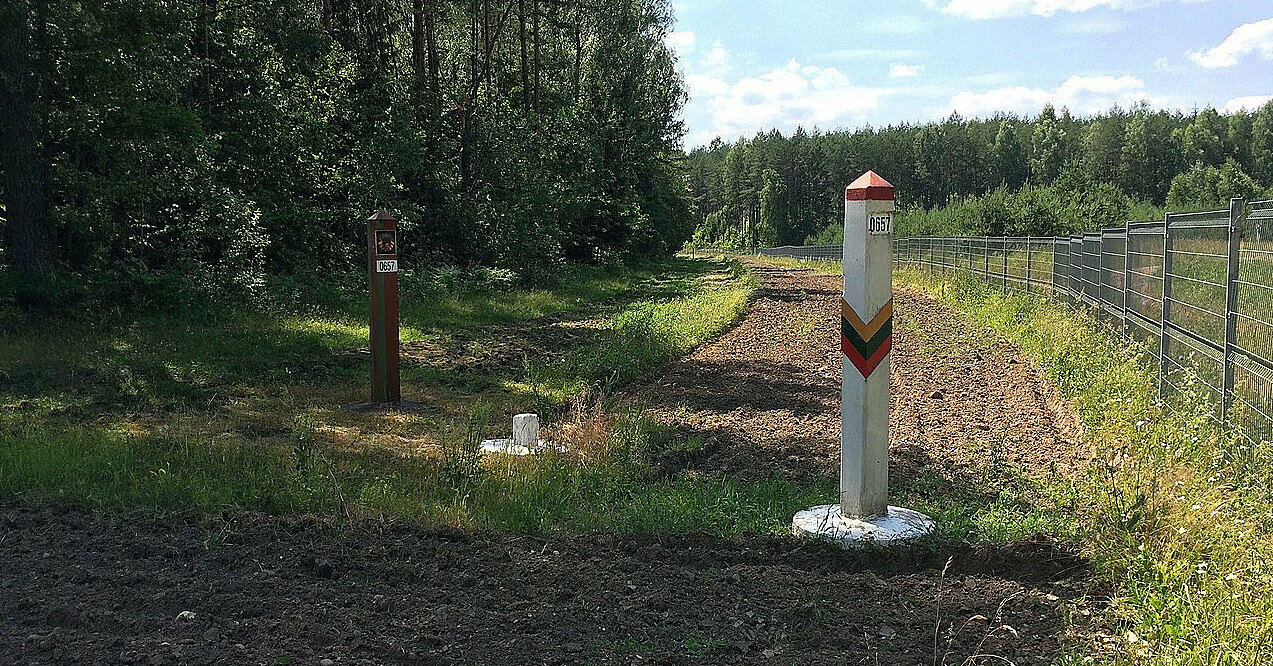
(1050, 174)
(220, 140)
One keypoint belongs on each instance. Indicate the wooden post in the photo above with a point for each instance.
(382, 247)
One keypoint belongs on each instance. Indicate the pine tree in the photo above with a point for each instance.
(931, 152)
(1011, 165)
(1047, 155)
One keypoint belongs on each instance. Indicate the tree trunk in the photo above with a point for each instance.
(327, 16)
(535, 9)
(486, 45)
(431, 43)
(578, 52)
(21, 159)
(466, 152)
(418, 64)
(208, 11)
(521, 22)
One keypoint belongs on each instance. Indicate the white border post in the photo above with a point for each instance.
(866, 341)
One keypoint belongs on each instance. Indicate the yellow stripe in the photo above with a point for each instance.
(867, 331)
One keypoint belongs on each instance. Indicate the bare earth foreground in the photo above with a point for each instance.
(79, 589)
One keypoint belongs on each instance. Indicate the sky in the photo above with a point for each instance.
(753, 65)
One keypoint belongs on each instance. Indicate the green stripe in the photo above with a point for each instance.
(864, 346)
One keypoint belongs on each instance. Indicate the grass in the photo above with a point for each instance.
(617, 493)
(1177, 516)
(199, 411)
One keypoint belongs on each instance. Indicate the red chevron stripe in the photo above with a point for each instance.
(866, 366)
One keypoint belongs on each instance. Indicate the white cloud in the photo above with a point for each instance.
(785, 97)
(1246, 39)
(717, 59)
(682, 42)
(901, 71)
(990, 9)
(1248, 103)
(1082, 95)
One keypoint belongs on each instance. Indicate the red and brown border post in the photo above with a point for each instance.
(866, 343)
(382, 245)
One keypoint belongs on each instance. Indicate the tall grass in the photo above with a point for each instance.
(615, 492)
(1178, 516)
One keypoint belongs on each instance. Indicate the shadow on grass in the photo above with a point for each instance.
(165, 362)
(189, 357)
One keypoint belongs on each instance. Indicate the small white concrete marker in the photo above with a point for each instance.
(525, 439)
(866, 343)
(526, 430)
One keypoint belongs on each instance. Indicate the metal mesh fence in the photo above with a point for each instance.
(1194, 289)
(805, 252)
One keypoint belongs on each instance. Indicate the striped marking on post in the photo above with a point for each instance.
(866, 344)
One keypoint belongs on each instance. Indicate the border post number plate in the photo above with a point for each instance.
(386, 265)
(878, 225)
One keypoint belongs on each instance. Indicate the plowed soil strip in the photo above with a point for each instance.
(766, 395)
(79, 589)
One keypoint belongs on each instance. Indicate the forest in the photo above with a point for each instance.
(1049, 174)
(211, 143)
(155, 148)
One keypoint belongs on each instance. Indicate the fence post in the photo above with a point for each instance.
(1231, 306)
(1166, 306)
(985, 253)
(1053, 278)
(1127, 259)
(1004, 246)
(1029, 255)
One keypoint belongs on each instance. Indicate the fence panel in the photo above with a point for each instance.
(1144, 280)
(1113, 262)
(805, 252)
(1252, 367)
(1195, 284)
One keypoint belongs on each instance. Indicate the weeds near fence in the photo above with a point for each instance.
(1184, 535)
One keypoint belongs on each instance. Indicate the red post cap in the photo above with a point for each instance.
(869, 187)
(381, 216)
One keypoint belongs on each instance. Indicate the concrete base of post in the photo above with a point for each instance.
(826, 522)
(510, 448)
